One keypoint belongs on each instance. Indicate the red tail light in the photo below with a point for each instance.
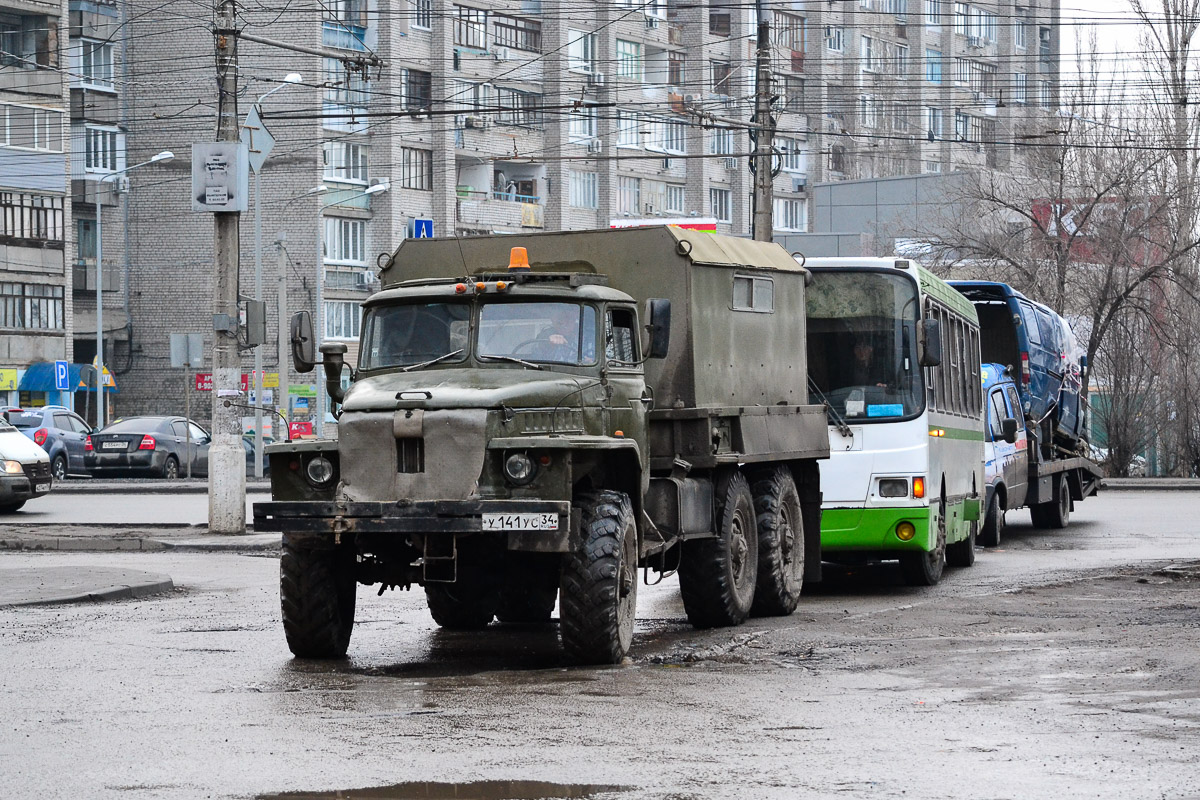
(1024, 367)
(148, 443)
(39, 436)
(87, 445)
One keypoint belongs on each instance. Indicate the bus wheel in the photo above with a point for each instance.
(717, 576)
(780, 544)
(925, 569)
(993, 524)
(962, 554)
(598, 590)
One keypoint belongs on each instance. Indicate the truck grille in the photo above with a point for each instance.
(37, 470)
(410, 455)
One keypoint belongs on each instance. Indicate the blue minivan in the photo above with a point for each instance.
(1039, 347)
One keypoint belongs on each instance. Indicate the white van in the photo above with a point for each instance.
(24, 469)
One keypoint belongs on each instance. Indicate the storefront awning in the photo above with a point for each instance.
(39, 377)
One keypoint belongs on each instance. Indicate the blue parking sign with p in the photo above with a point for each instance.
(62, 376)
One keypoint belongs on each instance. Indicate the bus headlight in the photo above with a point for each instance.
(519, 468)
(893, 487)
(905, 531)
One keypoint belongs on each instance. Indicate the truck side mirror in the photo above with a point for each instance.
(1008, 430)
(333, 358)
(304, 355)
(658, 324)
(931, 343)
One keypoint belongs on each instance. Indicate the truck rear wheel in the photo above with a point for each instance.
(598, 603)
(925, 569)
(780, 544)
(316, 593)
(530, 588)
(1057, 512)
(717, 576)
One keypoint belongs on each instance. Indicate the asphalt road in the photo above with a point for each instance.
(1062, 665)
(126, 506)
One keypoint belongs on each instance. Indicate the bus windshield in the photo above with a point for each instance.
(862, 344)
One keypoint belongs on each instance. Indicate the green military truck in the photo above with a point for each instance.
(535, 423)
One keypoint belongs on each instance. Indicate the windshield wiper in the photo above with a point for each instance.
(431, 361)
(513, 359)
(836, 418)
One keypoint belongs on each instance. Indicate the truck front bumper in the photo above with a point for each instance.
(423, 517)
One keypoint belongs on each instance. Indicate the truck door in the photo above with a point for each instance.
(622, 353)
(1016, 476)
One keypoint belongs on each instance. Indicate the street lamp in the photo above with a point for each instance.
(319, 334)
(290, 79)
(165, 155)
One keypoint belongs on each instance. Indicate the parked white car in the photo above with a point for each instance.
(24, 469)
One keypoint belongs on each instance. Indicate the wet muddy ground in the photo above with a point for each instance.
(1064, 665)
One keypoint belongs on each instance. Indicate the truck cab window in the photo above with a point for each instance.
(556, 333)
(400, 335)
(620, 343)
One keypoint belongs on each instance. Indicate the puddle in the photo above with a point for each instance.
(477, 790)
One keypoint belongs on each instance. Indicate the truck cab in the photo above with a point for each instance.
(1006, 454)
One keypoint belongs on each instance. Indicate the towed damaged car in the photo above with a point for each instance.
(156, 446)
(25, 472)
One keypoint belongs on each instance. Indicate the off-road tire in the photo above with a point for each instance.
(717, 576)
(925, 569)
(530, 588)
(316, 592)
(1056, 513)
(598, 599)
(170, 470)
(993, 524)
(780, 544)
(58, 467)
(962, 553)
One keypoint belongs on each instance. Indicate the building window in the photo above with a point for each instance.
(519, 108)
(720, 142)
(1044, 42)
(628, 129)
(962, 126)
(346, 162)
(1019, 84)
(25, 42)
(30, 128)
(868, 55)
(837, 158)
(719, 21)
(1045, 100)
(517, 33)
(788, 31)
(32, 306)
(416, 88)
(931, 166)
(933, 123)
(900, 60)
(581, 125)
(962, 18)
(666, 136)
(583, 190)
(721, 74)
(675, 73)
(983, 26)
(629, 60)
(720, 204)
(470, 27)
(581, 51)
(345, 241)
(345, 24)
(933, 13)
(103, 149)
(795, 156)
(629, 191)
(833, 39)
(790, 214)
(675, 198)
(868, 111)
(95, 67)
(933, 66)
(345, 100)
(342, 318)
(423, 14)
(1019, 35)
(31, 217)
(416, 168)
(85, 240)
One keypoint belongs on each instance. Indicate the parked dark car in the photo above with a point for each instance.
(24, 469)
(148, 446)
(59, 431)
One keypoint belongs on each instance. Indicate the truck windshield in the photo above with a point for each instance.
(403, 335)
(862, 344)
(558, 333)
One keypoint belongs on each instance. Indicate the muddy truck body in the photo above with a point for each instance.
(663, 424)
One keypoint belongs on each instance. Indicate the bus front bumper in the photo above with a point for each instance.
(873, 530)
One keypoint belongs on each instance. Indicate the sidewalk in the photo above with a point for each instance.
(34, 586)
(114, 538)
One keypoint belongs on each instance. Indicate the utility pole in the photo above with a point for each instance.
(227, 459)
(763, 158)
(283, 400)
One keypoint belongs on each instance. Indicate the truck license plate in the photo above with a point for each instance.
(113, 446)
(520, 522)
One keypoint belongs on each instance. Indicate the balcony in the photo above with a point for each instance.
(344, 36)
(84, 276)
(498, 209)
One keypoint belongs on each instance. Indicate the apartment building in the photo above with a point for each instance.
(529, 115)
(35, 284)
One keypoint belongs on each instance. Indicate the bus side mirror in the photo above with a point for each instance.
(931, 343)
(304, 351)
(1008, 430)
(658, 324)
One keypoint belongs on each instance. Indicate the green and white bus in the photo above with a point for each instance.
(894, 352)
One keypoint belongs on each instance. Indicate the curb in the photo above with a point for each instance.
(106, 594)
(261, 542)
(58, 585)
(1150, 484)
(76, 486)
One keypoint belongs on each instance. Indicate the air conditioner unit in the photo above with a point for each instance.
(652, 23)
(475, 122)
(595, 146)
(799, 184)
(123, 184)
(502, 54)
(596, 79)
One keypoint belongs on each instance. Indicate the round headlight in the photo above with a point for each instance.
(319, 471)
(519, 468)
(905, 531)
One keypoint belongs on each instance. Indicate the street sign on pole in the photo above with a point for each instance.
(257, 139)
(187, 350)
(62, 376)
(421, 229)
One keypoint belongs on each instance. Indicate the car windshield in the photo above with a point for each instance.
(24, 419)
(559, 333)
(134, 425)
(403, 335)
(862, 344)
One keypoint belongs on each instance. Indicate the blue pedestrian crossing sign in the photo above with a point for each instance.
(421, 229)
(62, 376)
